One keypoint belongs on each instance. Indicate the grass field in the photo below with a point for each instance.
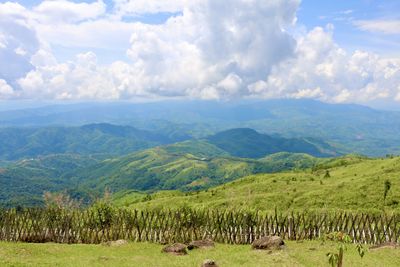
(354, 184)
(308, 253)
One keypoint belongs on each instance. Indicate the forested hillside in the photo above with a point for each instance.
(354, 128)
(23, 183)
(248, 143)
(102, 139)
(187, 166)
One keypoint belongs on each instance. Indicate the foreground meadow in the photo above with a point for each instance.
(307, 253)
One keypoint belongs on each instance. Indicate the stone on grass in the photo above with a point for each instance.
(176, 249)
(209, 263)
(268, 243)
(116, 243)
(206, 243)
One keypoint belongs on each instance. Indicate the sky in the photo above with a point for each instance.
(333, 51)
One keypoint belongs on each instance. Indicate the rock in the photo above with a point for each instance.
(207, 243)
(176, 249)
(386, 245)
(209, 263)
(268, 242)
(116, 243)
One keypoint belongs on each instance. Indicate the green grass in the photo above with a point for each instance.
(355, 183)
(309, 253)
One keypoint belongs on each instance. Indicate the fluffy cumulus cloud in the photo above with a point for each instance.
(205, 49)
(5, 89)
(322, 70)
(64, 11)
(212, 45)
(18, 42)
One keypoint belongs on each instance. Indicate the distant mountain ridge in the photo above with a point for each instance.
(107, 139)
(248, 143)
(353, 128)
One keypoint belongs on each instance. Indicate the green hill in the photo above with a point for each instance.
(247, 143)
(354, 183)
(107, 139)
(355, 128)
(187, 166)
(24, 182)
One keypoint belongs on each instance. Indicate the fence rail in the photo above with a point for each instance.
(94, 226)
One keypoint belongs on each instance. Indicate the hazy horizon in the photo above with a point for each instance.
(11, 105)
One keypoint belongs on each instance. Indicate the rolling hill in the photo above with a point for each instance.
(23, 183)
(354, 182)
(86, 168)
(197, 164)
(353, 128)
(102, 139)
(185, 166)
(247, 143)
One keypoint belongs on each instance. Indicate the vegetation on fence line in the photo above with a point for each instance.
(102, 222)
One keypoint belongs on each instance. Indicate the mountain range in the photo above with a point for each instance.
(85, 149)
(353, 128)
(187, 166)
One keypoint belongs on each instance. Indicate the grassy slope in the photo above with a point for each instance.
(355, 184)
(157, 168)
(309, 253)
(190, 165)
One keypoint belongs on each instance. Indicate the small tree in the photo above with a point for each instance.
(148, 197)
(336, 259)
(327, 174)
(386, 187)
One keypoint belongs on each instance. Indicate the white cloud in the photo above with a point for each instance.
(69, 24)
(102, 33)
(139, 7)
(18, 42)
(58, 11)
(78, 79)
(308, 93)
(211, 41)
(336, 75)
(346, 12)
(5, 90)
(210, 51)
(379, 26)
(232, 83)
